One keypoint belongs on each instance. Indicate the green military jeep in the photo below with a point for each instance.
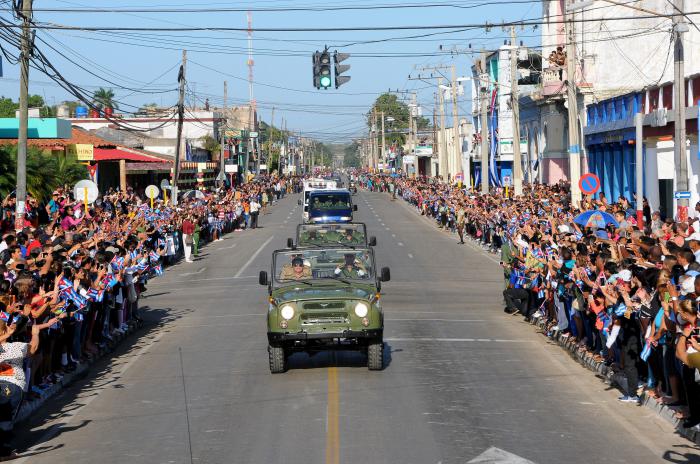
(324, 298)
(332, 234)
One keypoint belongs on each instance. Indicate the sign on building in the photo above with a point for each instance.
(81, 151)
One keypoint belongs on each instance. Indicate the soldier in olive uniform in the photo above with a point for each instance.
(351, 268)
(295, 270)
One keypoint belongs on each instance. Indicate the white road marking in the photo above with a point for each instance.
(255, 255)
(435, 320)
(410, 255)
(387, 228)
(400, 244)
(193, 273)
(393, 235)
(497, 455)
(229, 247)
(431, 339)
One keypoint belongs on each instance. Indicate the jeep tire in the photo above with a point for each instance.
(375, 355)
(278, 359)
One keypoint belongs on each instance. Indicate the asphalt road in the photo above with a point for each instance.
(462, 379)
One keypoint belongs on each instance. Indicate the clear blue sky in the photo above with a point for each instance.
(217, 56)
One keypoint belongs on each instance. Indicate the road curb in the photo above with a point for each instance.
(30, 407)
(613, 378)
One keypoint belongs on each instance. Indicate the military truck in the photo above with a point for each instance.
(333, 234)
(324, 299)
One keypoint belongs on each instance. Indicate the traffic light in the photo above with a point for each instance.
(316, 60)
(340, 68)
(325, 69)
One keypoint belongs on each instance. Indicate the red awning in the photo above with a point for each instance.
(115, 154)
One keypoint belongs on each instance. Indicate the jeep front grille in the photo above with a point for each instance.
(324, 319)
(322, 305)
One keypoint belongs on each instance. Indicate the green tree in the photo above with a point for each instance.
(7, 107)
(104, 98)
(210, 144)
(45, 172)
(351, 158)
(68, 170)
(395, 131)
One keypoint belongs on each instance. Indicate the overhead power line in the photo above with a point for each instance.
(486, 25)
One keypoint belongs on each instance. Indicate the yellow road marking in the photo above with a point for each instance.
(332, 435)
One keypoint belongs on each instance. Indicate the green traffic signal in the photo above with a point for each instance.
(325, 81)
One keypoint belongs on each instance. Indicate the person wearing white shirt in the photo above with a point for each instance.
(254, 213)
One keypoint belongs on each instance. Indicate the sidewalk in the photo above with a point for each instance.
(611, 377)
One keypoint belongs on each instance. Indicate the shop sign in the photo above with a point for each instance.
(81, 151)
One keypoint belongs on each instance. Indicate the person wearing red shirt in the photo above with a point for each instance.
(187, 232)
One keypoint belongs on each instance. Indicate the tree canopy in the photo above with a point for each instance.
(395, 131)
(44, 172)
(8, 107)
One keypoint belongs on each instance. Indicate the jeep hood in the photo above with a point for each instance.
(323, 293)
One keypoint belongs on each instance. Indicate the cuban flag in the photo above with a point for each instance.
(68, 293)
(117, 263)
(5, 317)
(94, 294)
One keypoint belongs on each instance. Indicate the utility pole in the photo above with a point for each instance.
(413, 131)
(180, 117)
(515, 106)
(270, 153)
(435, 139)
(679, 147)
(572, 100)
(374, 139)
(456, 148)
(222, 169)
(25, 54)
(383, 141)
(483, 93)
(442, 159)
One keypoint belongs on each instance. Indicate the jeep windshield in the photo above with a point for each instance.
(331, 234)
(330, 201)
(326, 264)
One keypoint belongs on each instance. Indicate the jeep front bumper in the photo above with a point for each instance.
(276, 337)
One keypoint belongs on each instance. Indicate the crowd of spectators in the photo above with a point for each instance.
(625, 292)
(72, 277)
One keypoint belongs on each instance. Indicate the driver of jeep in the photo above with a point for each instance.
(351, 268)
(296, 270)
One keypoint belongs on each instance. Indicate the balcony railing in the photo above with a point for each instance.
(553, 81)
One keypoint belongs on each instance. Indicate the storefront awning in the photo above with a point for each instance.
(116, 154)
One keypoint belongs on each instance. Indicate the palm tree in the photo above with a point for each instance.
(44, 172)
(104, 98)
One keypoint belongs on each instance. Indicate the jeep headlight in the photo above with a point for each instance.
(361, 309)
(287, 312)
